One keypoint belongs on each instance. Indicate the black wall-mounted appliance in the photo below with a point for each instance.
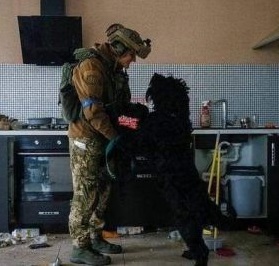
(49, 40)
(53, 7)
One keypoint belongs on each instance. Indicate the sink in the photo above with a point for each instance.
(218, 128)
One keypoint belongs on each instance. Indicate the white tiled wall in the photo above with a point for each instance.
(32, 91)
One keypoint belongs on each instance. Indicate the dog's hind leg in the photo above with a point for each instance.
(191, 233)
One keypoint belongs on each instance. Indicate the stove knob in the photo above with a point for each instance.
(59, 142)
(36, 142)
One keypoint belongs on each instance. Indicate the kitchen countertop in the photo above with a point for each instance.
(33, 132)
(197, 131)
(241, 131)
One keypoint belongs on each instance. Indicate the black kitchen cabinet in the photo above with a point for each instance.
(137, 199)
(273, 185)
(138, 202)
(135, 202)
(6, 199)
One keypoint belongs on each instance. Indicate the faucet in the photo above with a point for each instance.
(225, 121)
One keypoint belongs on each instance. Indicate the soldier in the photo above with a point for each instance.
(102, 84)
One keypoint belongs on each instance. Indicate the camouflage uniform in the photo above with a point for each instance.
(88, 138)
(90, 191)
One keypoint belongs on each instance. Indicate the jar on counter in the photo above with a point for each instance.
(205, 117)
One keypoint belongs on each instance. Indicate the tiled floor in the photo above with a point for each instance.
(152, 249)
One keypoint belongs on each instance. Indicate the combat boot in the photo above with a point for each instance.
(88, 256)
(101, 245)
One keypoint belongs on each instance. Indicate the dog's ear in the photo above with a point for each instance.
(153, 86)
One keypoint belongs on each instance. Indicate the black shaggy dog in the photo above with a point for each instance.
(164, 137)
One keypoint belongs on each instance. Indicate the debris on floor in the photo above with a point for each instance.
(174, 235)
(254, 230)
(109, 234)
(22, 236)
(36, 246)
(130, 230)
(24, 233)
(6, 240)
(39, 242)
(57, 261)
(149, 249)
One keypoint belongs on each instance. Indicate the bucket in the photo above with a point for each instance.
(245, 186)
(213, 244)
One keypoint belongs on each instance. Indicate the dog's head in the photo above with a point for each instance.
(168, 94)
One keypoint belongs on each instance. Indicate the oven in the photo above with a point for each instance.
(43, 183)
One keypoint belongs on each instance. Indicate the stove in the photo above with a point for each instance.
(46, 124)
(47, 127)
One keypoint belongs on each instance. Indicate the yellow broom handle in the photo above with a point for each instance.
(218, 176)
(218, 185)
(213, 162)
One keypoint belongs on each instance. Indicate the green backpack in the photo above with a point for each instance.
(71, 108)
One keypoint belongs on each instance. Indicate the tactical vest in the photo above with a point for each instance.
(116, 82)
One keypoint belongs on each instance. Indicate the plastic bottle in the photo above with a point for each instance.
(205, 119)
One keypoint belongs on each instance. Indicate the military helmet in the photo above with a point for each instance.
(118, 36)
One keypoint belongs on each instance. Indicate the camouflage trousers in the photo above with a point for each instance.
(90, 191)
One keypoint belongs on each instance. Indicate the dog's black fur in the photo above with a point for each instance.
(164, 138)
